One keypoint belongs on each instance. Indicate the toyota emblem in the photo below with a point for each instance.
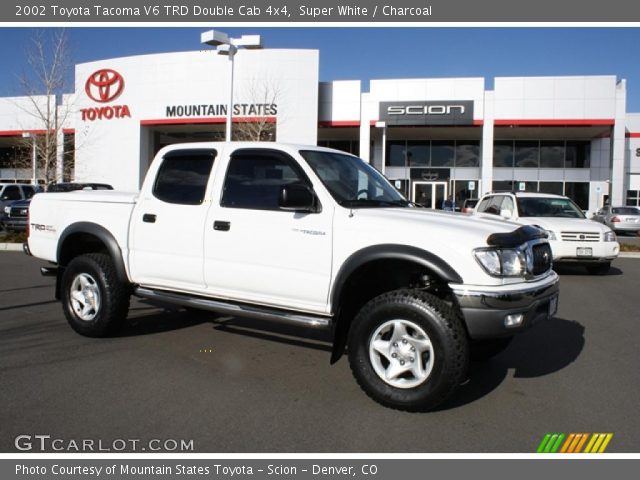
(104, 85)
(582, 237)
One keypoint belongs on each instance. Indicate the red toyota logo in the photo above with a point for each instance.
(104, 85)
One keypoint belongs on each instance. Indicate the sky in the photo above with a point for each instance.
(363, 53)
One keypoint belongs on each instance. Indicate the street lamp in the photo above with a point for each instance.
(383, 126)
(229, 46)
(34, 179)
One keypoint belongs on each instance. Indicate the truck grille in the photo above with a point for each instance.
(580, 236)
(18, 212)
(542, 258)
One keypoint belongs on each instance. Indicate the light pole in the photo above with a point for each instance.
(34, 179)
(229, 46)
(383, 126)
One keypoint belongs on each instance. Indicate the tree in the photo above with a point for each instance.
(261, 127)
(49, 66)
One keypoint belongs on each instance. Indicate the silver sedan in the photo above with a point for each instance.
(619, 219)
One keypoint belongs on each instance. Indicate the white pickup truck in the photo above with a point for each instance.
(309, 236)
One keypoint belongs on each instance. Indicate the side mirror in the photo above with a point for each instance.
(297, 198)
(506, 214)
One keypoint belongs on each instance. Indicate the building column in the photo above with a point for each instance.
(365, 128)
(618, 146)
(486, 166)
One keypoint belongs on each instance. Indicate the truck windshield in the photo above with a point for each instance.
(548, 207)
(352, 182)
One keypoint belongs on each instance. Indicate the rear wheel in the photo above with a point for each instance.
(599, 268)
(408, 350)
(94, 300)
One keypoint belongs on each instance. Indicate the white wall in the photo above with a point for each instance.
(110, 150)
(339, 101)
(19, 113)
(555, 98)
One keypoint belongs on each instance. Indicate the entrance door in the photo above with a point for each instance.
(429, 194)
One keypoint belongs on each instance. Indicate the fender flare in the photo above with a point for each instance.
(380, 252)
(102, 234)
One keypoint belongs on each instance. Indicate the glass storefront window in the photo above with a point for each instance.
(461, 191)
(578, 154)
(550, 187)
(633, 198)
(503, 154)
(528, 186)
(418, 153)
(502, 186)
(578, 192)
(526, 154)
(467, 153)
(396, 153)
(551, 154)
(442, 153)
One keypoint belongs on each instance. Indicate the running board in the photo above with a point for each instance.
(234, 309)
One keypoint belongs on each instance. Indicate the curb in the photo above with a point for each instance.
(629, 255)
(10, 247)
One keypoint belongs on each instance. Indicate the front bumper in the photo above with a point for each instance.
(485, 309)
(14, 224)
(564, 251)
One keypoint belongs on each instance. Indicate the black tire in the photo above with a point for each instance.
(446, 362)
(97, 273)
(599, 268)
(482, 350)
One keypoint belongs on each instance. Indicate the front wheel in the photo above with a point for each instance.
(408, 350)
(94, 300)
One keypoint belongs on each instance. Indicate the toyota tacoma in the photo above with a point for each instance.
(309, 236)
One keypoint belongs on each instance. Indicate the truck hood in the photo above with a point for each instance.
(473, 228)
(559, 224)
(103, 196)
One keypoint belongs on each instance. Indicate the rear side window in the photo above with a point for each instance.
(491, 205)
(255, 177)
(183, 176)
(28, 192)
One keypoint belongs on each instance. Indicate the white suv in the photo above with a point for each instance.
(573, 238)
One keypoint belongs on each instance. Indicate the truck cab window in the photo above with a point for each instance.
(183, 177)
(254, 179)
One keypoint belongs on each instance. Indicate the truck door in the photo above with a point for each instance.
(168, 222)
(257, 252)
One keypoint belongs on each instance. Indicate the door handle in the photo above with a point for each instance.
(149, 218)
(221, 226)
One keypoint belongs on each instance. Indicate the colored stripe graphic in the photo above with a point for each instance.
(550, 443)
(574, 443)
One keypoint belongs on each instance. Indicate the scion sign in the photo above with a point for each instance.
(427, 113)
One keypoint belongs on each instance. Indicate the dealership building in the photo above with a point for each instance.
(432, 137)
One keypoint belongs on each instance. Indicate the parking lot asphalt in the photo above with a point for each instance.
(233, 385)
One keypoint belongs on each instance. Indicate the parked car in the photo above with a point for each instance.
(71, 186)
(10, 192)
(619, 219)
(468, 205)
(573, 237)
(15, 216)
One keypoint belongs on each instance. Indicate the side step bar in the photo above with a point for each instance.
(234, 309)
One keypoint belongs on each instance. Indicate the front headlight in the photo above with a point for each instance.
(505, 262)
(550, 235)
(609, 236)
(7, 210)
